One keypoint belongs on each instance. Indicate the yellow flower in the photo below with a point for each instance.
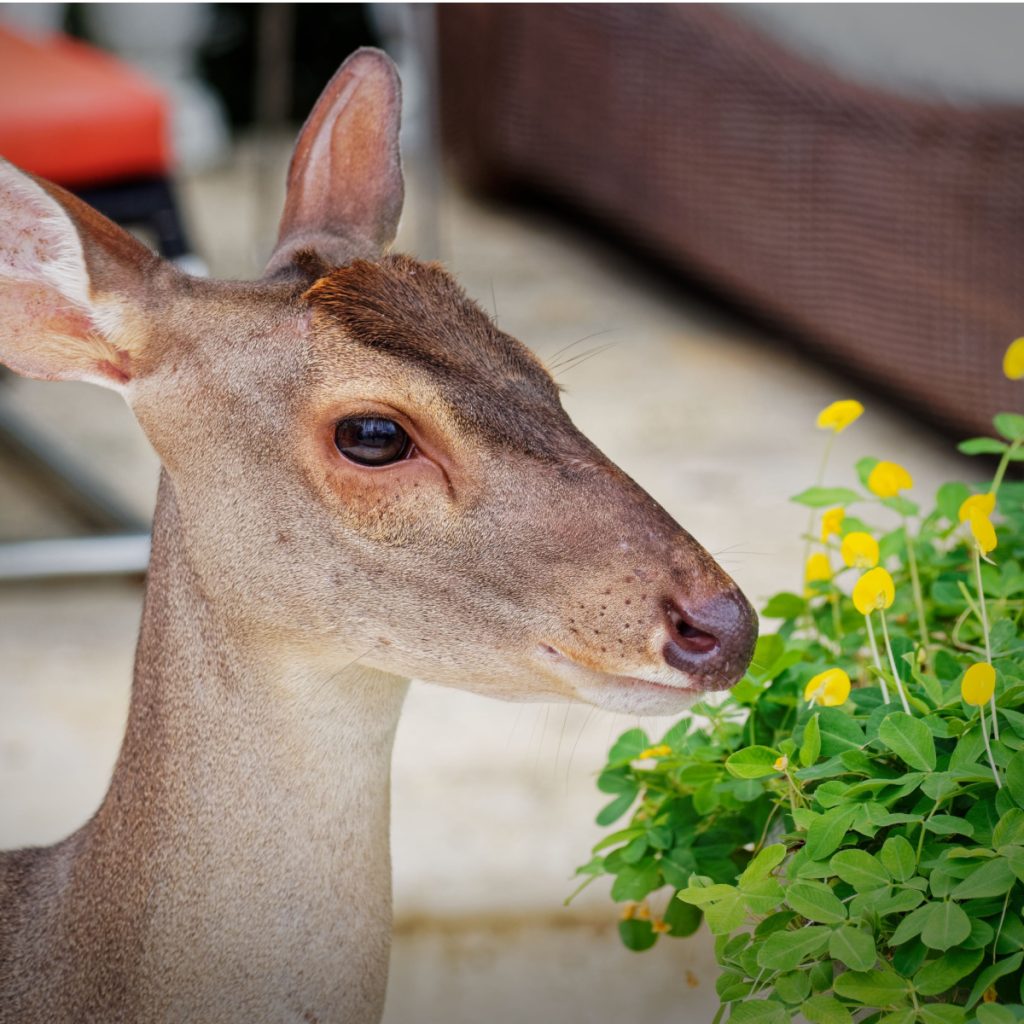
(831, 522)
(887, 479)
(983, 532)
(860, 550)
(817, 568)
(829, 689)
(659, 926)
(874, 590)
(642, 912)
(627, 912)
(839, 415)
(978, 684)
(983, 503)
(781, 763)
(1013, 360)
(661, 750)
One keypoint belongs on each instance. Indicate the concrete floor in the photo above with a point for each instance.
(493, 803)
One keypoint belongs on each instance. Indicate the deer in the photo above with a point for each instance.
(363, 480)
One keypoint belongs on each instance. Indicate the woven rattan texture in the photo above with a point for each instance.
(888, 233)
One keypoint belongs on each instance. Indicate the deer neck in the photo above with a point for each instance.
(253, 788)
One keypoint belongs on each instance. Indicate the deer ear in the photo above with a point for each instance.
(68, 278)
(345, 185)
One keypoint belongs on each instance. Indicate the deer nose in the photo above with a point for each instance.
(712, 642)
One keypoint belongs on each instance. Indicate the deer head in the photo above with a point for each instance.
(363, 464)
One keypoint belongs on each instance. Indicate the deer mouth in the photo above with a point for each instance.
(633, 694)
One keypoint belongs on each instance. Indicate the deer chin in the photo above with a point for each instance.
(658, 692)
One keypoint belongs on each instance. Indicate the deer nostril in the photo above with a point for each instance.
(689, 637)
(713, 642)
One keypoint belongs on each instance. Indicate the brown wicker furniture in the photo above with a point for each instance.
(888, 232)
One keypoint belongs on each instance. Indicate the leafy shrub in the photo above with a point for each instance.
(858, 853)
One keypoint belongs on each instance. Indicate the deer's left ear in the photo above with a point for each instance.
(345, 186)
(70, 284)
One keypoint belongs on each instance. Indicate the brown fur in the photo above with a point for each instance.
(238, 868)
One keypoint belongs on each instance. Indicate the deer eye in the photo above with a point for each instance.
(371, 441)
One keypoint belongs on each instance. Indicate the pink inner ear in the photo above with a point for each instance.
(38, 243)
(345, 180)
(38, 323)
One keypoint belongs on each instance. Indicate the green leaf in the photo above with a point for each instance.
(762, 896)
(1010, 425)
(730, 986)
(829, 830)
(616, 809)
(767, 651)
(936, 977)
(993, 1013)
(898, 858)
(882, 988)
(901, 902)
(860, 869)
(752, 762)
(906, 1016)
(725, 916)
(945, 925)
(763, 864)
(900, 505)
(637, 935)
(826, 1010)
(810, 748)
(911, 925)
(702, 892)
(821, 974)
(991, 975)
(819, 497)
(993, 878)
(682, 918)
(629, 745)
(910, 739)
(839, 732)
(1015, 858)
(941, 1013)
(634, 851)
(784, 606)
(854, 947)
(864, 466)
(948, 825)
(982, 446)
(635, 881)
(759, 1011)
(816, 902)
(1015, 777)
(951, 496)
(793, 987)
(785, 951)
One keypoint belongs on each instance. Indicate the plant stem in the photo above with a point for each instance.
(1004, 463)
(878, 661)
(988, 749)
(984, 626)
(999, 930)
(892, 663)
(915, 584)
(817, 483)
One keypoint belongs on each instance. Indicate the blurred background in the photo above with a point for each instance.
(710, 221)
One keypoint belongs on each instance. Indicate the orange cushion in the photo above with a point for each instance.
(76, 115)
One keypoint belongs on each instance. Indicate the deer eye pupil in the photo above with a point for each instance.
(371, 441)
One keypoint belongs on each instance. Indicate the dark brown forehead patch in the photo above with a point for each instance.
(416, 312)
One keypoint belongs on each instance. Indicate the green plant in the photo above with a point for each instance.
(857, 853)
